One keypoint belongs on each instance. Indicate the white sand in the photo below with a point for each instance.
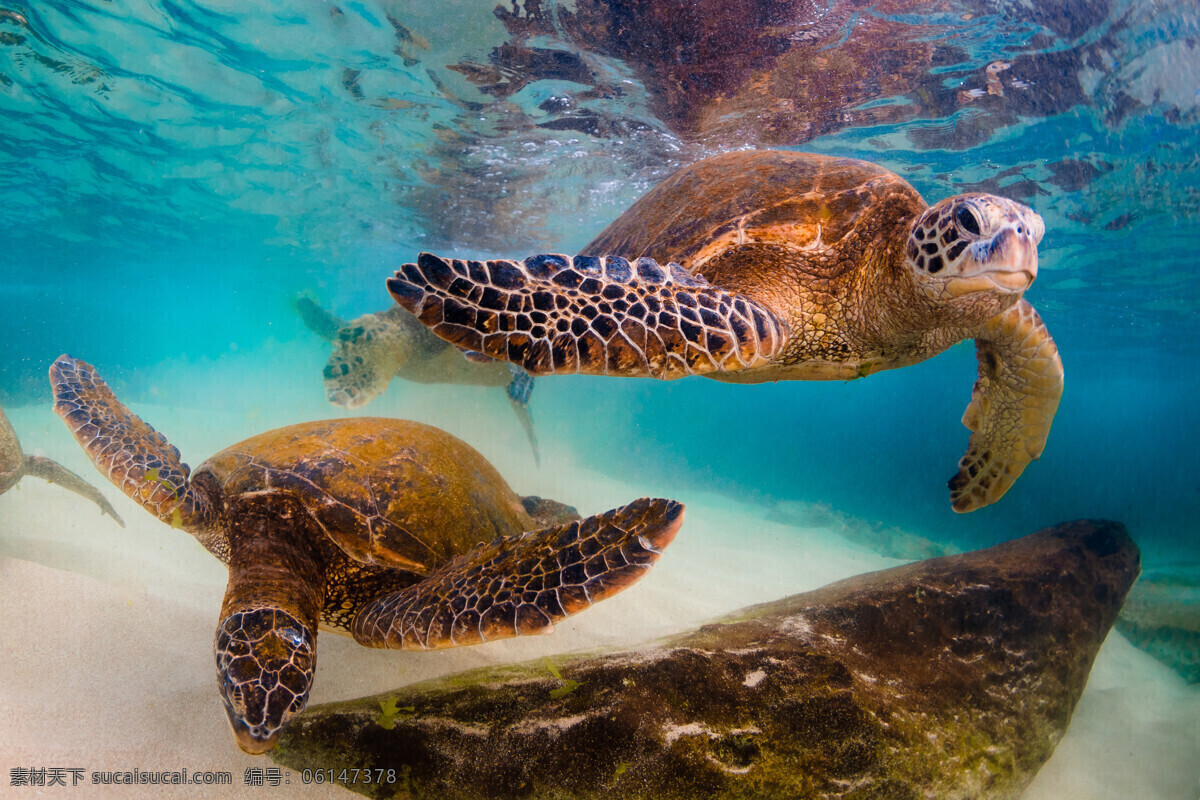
(106, 662)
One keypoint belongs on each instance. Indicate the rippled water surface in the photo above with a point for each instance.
(173, 174)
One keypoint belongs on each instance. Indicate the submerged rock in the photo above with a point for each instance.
(953, 677)
(1162, 617)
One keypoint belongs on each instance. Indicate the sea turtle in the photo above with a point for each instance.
(393, 532)
(15, 465)
(790, 266)
(371, 350)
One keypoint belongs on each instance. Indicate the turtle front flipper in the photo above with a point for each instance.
(1012, 405)
(136, 458)
(522, 584)
(56, 473)
(317, 318)
(598, 316)
(519, 390)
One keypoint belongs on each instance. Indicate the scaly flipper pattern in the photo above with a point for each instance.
(1012, 406)
(523, 584)
(136, 458)
(598, 316)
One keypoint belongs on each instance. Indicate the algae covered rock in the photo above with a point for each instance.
(952, 677)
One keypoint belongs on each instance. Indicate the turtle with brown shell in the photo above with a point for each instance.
(758, 266)
(15, 465)
(372, 349)
(393, 532)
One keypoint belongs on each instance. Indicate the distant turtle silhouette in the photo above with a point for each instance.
(372, 349)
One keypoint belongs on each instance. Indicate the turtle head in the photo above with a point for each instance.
(547, 512)
(265, 663)
(975, 246)
(362, 365)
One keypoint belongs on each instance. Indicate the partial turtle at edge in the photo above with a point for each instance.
(14, 465)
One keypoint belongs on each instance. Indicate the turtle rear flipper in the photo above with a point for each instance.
(526, 419)
(136, 458)
(523, 584)
(519, 390)
(1012, 406)
(54, 472)
(598, 316)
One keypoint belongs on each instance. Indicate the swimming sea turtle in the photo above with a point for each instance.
(790, 266)
(393, 532)
(15, 465)
(374, 348)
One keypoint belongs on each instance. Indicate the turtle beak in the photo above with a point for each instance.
(248, 741)
(265, 661)
(1006, 263)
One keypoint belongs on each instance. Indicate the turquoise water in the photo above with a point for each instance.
(174, 174)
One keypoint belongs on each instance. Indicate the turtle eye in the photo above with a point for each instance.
(966, 219)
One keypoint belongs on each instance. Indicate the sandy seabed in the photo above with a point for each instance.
(106, 649)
